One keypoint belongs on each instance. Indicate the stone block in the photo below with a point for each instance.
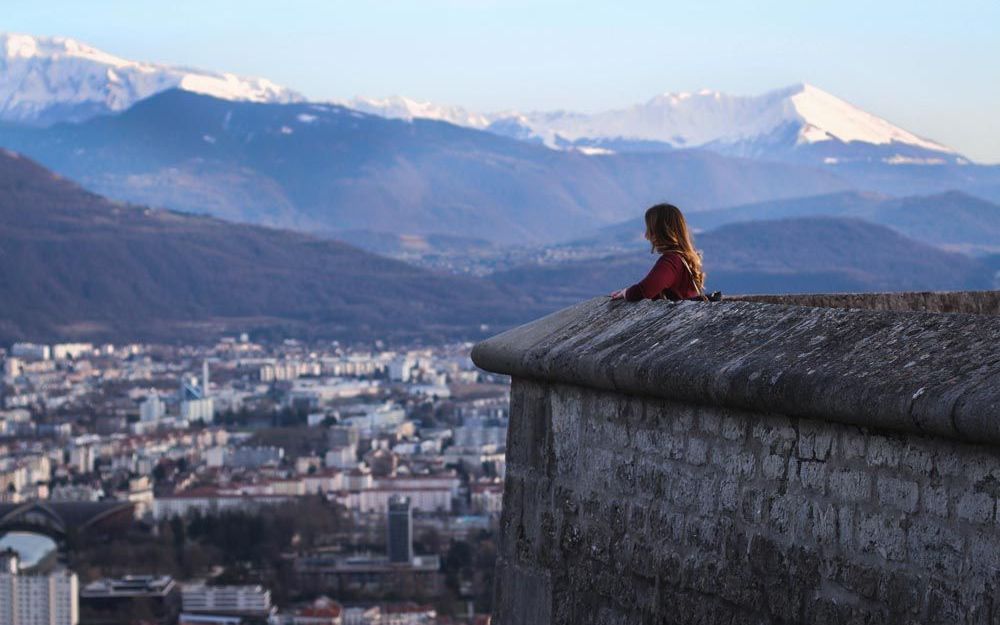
(812, 475)
(883, 535)
(853, 443)
(734, 427)
(774, 467)
(697, 451)
(898, 493)
(709, 421)
(524, 595)
(848, 484)
(566, 406)
(729, 494)
(884, 451)
(975, 507)
(934, 499)
(918, 458)
(775, 434)
(815, 440)
(529, 421)
(734, 462)
(824, 523)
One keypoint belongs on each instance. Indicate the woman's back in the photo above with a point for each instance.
(677, 273)
(670, 278)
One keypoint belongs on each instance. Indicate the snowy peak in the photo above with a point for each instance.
(397, 107)
(826, 117)
(774, 123)
(713, 118)
(49, 79)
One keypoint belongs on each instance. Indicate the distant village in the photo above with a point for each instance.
(392, 458)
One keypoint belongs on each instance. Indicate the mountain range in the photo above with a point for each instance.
(801, 118)
(75, 265)
(252, 187)
(800, 124)
(46, 80)
(952, 220)
(325, 168)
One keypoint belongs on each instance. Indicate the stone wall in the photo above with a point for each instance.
(651, 480)
(974, 302)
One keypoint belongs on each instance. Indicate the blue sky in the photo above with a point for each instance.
(931, 67)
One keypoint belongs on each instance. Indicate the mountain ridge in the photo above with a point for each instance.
(951, 220)
(74, 265)
(56, 79)
(794, 255)
(743, 125)
(325, 167)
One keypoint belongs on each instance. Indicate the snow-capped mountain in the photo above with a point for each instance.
(801, 119)
(398, 107)
(50, 79)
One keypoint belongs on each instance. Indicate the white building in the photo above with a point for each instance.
(49, 599)
(341, 458)
(12, 367)
(66, 351)
(211, 501)
(82, 458)
(152, 409)
(401, 368)
(194, 409)
(31, 351)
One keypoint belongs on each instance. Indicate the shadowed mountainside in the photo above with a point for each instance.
(954, 219)
(73, 264)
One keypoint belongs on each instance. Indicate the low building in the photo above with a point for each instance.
(130, 598)
(209, 500)
(369, 575)
(230, 601)
(323, 611)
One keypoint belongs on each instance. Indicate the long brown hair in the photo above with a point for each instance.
(667, 231)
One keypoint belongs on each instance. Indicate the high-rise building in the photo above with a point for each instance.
(152, 408)
(46, 599)
(400, 530)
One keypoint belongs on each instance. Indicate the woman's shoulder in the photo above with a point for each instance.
(671, 257)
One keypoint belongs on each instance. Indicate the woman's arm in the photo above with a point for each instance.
(661, 276)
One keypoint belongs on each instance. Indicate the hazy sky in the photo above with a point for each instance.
(930, 66)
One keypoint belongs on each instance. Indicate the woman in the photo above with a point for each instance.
(677, 274)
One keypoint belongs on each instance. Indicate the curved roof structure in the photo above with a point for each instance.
(57, 517)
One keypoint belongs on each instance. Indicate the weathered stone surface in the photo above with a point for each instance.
(781, 525)
(971, 302)
(873, 368)
(745, 463)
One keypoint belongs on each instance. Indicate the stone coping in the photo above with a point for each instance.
(923, 372)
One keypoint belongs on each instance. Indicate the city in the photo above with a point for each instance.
(244, 482)
(536, 312)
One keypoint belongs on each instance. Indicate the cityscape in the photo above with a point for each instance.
(245, 482)
(520, 312)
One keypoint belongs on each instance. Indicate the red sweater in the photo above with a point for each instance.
(668, 277)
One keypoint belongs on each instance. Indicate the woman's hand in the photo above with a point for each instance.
(619, 294)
